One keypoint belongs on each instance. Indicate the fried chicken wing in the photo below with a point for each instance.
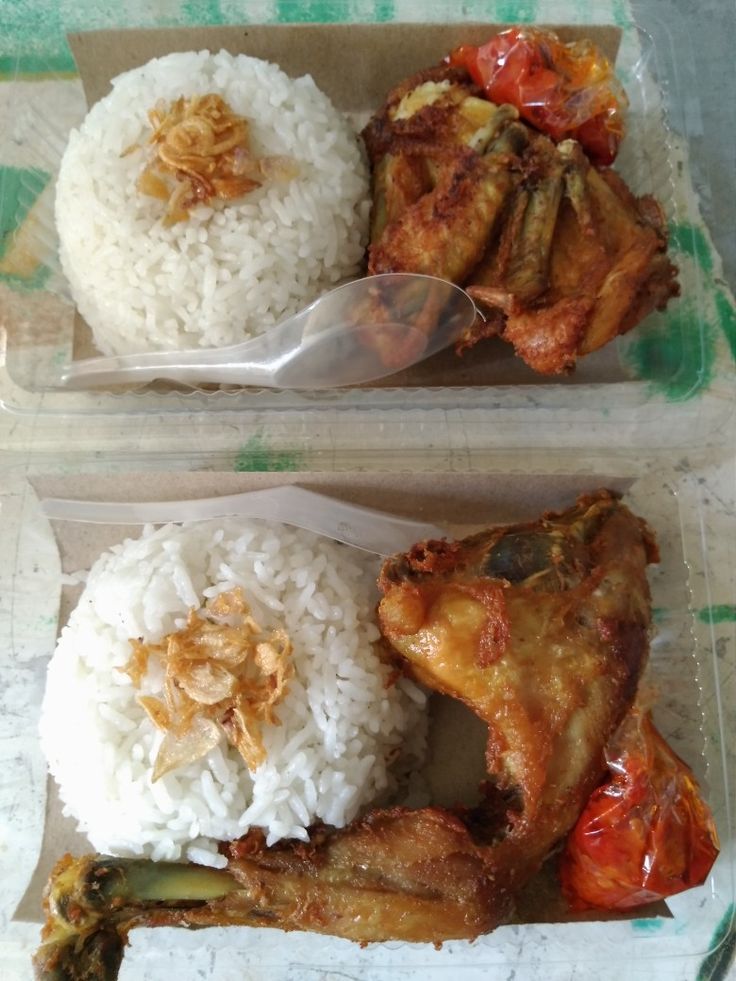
(445, 232)
(560, 255)
(541, 630)
(419, 136)
(607, 271)
(516, 268)
(435, 109)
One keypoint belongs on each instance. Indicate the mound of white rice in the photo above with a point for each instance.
(227, 272)
(341, 721)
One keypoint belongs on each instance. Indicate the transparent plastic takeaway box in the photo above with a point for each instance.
(690, 676)
(666, 383)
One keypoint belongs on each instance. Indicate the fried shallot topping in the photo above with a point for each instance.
(202, 153)
(222, 673)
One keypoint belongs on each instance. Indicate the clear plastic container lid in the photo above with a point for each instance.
(667, 382)
(689, 674)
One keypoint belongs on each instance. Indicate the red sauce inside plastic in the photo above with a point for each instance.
(564, 90)
(646, 833)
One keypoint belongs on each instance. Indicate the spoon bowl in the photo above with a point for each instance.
(360, 332)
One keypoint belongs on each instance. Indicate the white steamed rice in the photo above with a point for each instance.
(229, 272)
(340, 722)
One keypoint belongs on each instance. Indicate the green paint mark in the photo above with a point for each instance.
(647, 926)
(516, 12)
(676, 355)
(691, 240)
(620, 14)
(726, 319)
(18, 191)
(312, 11)
(27, 284)
(720, 613)
(715, 966)
(33, 38)
(659, 615)
(384, 11)
(256, 456)
(38, 66)
(205, 12)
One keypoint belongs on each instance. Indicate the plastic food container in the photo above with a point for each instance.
(651, 415)
(688, 678)
(673, 365)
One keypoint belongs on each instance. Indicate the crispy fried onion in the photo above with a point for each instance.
(202, 153)
(222, 673)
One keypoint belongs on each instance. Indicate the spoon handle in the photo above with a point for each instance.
(186, 367)
(359, 332)
(361, 527)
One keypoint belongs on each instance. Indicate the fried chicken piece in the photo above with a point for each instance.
(608, 270)
(399, 180)
(421, 111)
(443, 233)
(517, 266)
(540, 629)
(417, 139)
(562, 257)
(446, 231)
(418, 875)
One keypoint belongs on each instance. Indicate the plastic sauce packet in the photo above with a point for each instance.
(564, 90)
(646, 833)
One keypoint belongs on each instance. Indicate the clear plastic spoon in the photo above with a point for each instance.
(359, 332)
(361, 527)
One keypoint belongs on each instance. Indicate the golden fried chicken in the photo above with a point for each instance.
(559, 255)
(445, 232)
(419, 875)
(607, 269)
(541, 629)
(419, 137)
